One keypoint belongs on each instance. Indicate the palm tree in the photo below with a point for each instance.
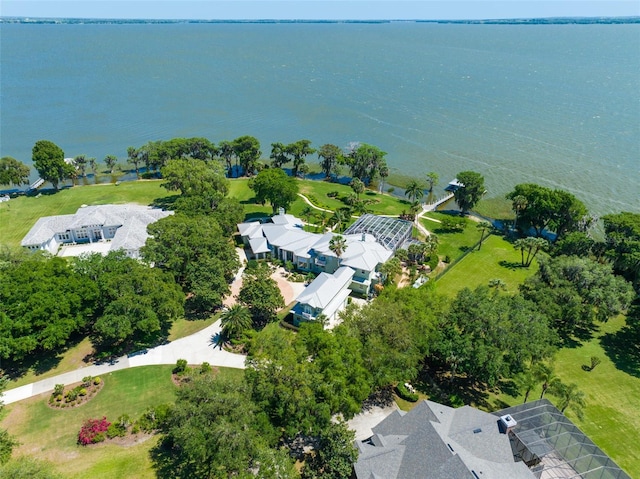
(545, 373)
(93, 164)
(357, 186)
(110, 161)
(235, 321)
(531, 245)
(519, 203)
(432, 179)
(415, 209)
(527, 380)
(339, 219)
(307, 213)
(431, 244)
(80, 162)
(570, 397)
(133, 157)
(338, 245)
(390, 270)
(414, 191)
(483, 226)
(322, 216)
(361, 207)
(497, 284)
(384, 173)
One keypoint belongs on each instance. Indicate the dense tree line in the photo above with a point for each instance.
(47, 301)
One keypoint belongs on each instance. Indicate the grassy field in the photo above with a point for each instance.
(496, 260)
(611, 418)
(22, 212)
(452, 244)
(51, 434)
(317, 191)
(496, 208)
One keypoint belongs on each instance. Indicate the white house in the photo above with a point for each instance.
(285, 239)
(326, 295)
(370, 242)
(122, 226)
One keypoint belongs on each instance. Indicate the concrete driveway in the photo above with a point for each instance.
(196, 349)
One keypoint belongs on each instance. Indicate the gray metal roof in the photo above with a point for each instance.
(325, 287)
(364, 251)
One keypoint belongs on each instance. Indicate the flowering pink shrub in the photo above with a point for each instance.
(93, 431)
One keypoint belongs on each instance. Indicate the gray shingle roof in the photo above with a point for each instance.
(438, 442)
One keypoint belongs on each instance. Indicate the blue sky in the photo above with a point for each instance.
(314, 9)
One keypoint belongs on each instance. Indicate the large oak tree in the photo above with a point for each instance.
(48, 159)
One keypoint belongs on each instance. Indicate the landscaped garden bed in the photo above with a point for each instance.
(75, 394)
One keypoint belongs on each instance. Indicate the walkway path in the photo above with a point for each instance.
(196, 349)
(307, 201)
(236, 284)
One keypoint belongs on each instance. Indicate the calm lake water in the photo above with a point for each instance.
(558, 105)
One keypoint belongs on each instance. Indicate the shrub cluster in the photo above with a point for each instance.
(119, 428)
(181, 367)
(74, 396)
(152, 419)
(453, 224)
(405, 394)
(93, 431)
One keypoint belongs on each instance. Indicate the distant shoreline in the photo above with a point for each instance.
(510, 21)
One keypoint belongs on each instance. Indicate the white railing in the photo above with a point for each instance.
(36, 184)
(434, 204)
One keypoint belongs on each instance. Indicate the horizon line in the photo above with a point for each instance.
(311, 20)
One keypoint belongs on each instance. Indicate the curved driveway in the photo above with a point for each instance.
(196, 349)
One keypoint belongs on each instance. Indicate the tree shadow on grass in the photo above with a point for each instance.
(512, 265)
(435, 381)
(166, 203)
(39, 363)
(623, 348)
(263, 217)
(166, 463)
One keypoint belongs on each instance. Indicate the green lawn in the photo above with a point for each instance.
(21, 213)
(51, 434)
(316, 191)
(611, 416)
(451, 244)
(497, 259)
(186, 327)
(498, 208)
(383, 204)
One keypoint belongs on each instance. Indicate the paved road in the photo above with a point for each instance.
(196, 349)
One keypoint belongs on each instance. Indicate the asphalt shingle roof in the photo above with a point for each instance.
(434, 441)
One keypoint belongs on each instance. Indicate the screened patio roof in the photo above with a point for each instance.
(553, 447)
(391, 232)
